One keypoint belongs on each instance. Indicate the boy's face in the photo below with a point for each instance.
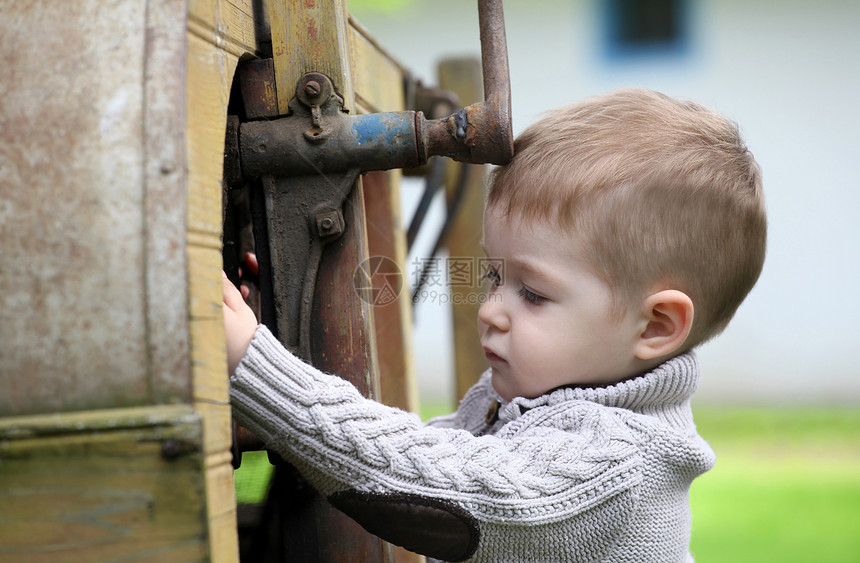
(547, 320)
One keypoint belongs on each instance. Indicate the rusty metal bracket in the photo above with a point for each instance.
(304, 214)
(479, 133)
(319, 138)
(309, 160)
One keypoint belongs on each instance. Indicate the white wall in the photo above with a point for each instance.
(789, 73)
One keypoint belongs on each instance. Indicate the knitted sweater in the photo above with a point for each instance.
(579, 474)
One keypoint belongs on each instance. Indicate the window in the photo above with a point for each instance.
(645, 28)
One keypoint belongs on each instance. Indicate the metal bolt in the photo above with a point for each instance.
(170, 449)
(313, 88)
(329, 223)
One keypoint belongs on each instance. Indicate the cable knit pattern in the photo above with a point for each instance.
(575, 475)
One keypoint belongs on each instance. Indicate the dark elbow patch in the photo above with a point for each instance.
(429, 526)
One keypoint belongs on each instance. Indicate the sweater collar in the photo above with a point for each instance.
(671, 383)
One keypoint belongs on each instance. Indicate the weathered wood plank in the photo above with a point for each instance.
(392, 316)
(210, 69)
(377, 76)
(310, 36)
(235, 26)
(108, 485)
(378, 80)
(164, 205)
(463, 77)
(71, 196)
(113, 268)
(392, 319)
(314, 36)
(209, 75)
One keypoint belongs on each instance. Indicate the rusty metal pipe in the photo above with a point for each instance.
(377, 141)
(480, 133)
(494, 53)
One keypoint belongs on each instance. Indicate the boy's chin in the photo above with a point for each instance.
(500, 384)
(504, 385)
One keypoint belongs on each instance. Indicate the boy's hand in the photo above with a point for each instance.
(240, 323)
(252, 267)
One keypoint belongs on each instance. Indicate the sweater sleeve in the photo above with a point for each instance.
(342, 441)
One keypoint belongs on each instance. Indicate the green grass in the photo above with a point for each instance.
(252, 478)
(786, 487)
(429, 409)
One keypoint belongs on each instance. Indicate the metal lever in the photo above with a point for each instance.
(480, 133)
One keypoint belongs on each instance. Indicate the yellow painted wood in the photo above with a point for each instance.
(234, 26)
(95, 486)
(377, 76)
(463, 77)
(211, 64)
(209, 73)
(310, 36)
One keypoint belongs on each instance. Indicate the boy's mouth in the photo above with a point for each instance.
(492, 356)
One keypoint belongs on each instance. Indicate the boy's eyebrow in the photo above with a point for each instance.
(533, 269)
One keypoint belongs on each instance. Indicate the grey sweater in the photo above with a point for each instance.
(579, 474)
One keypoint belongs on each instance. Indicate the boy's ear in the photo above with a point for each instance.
(669, 317)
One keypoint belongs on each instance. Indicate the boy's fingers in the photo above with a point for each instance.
(251, 262)
(232, 297)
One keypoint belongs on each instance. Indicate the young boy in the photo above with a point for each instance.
(628, 228)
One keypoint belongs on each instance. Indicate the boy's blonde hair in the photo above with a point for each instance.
(660, 193)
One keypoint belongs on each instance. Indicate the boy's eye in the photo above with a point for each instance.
(530, 296)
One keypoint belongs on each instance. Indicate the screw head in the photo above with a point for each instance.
(313, 88)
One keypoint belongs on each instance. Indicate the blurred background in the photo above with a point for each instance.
(788, 72)
(780, 394)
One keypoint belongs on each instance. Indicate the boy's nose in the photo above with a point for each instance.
(492, 312)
